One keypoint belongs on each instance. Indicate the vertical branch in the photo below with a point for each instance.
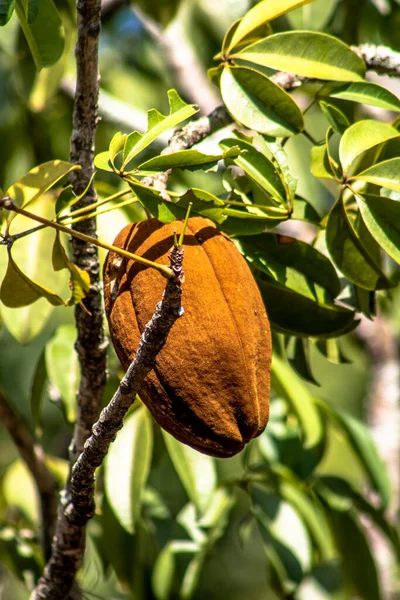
(91, 343)
(32, 455)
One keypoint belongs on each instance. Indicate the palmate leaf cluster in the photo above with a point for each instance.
(173, 523)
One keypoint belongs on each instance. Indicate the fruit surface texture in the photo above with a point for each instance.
(210, 384)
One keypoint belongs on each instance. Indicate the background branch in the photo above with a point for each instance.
(78, 503)
(32, 454)
(91, 343)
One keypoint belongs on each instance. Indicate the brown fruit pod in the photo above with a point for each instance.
(210, 384)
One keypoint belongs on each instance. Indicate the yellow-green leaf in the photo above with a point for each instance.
(261, 13)
(360, 137)
(306, 53)
(38, 181)
(256, 102)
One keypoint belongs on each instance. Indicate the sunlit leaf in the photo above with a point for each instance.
(63, 367)
(79, 279)
(336, 118)
(203, 203)
(38, 181)
(102, 161)
(320, 164)
(365, 92)
(306, 53)
(196, 471)
(17, 289)
(157, 124)
(127, 467)
(361, 136)
(382, 217)
(385, 174)
(254, 101)
(186, 159)
(261, 13)
(258, 167)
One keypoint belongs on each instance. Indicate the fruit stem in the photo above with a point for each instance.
(185, 224)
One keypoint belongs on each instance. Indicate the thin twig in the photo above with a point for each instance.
(32, 454)
(78, 505)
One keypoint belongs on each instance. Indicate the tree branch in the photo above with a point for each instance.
(78, 503)
(381, 59)
(32, 455)
(91, 343)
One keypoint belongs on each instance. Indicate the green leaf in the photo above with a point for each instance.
(186, 159)
(331, 350)
(304, 211)
(359, 438)
(306, 53)
(31, 254)
(163, 574)
(254, 101)
(297, 351)
(6, 10)
(196, 471)
(349, 253)
(260, 14)
(357, 559)
(17, 289)
(336, 118)
(385, 174)
(297, 315)
(312, 515)
(45, 35)
(204, 204)
(294, 264)
(33, 10)
(63, 367)
(79, 279)
(320, 164)
(102, 161)
(157, 124)
(286, 385)
(116, 146)
(257, 166)
(362, 136)
(38, 181)
(382, 217)
(127, 467)
(365, 92)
